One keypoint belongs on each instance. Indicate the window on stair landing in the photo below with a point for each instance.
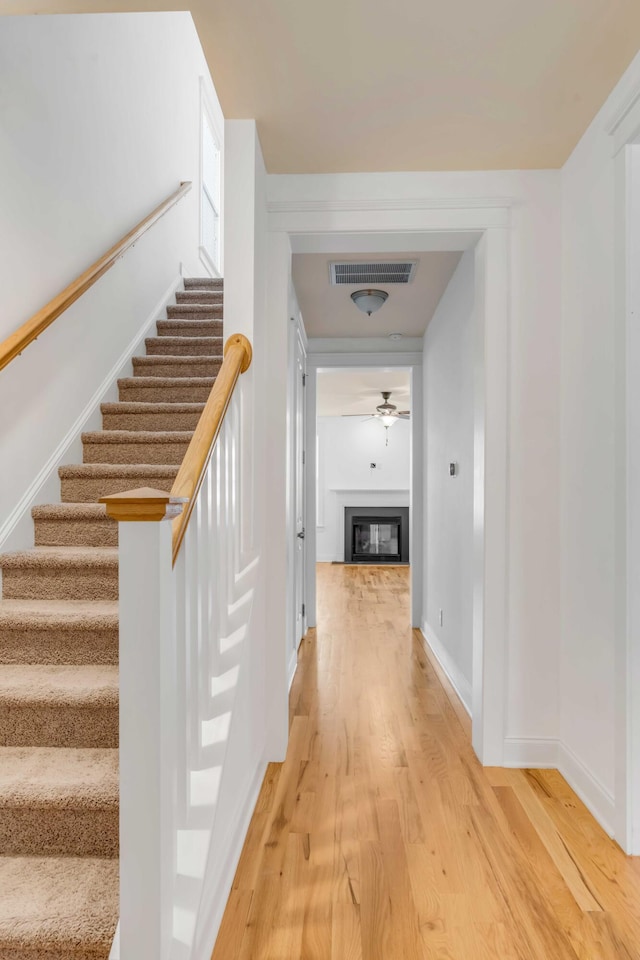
(210, 195)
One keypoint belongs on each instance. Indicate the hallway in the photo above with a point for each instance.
(382, 838)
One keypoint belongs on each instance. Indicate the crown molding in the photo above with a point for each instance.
(347, 360)
(410, 203)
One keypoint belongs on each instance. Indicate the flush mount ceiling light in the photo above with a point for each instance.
(369, 300)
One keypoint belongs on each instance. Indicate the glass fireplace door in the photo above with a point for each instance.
(376, 538)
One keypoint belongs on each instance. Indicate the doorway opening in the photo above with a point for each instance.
(362, 470)
(484, 235)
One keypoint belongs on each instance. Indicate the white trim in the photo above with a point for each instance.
(453, 673)
(393, 204)
(369, 490)
(540, 753)
(623, 124)
(320, 474)
(491, 221)
(407, 218)
(365, 345)
(216, 900)
(417, 489)
(293, 666)
(37, 491)
(347, 360)
(114, 953)
(591, 791)
(626, 818)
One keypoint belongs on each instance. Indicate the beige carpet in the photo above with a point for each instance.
(59, 651)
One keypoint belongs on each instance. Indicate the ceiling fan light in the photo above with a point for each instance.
(388, 420)
(369, 300)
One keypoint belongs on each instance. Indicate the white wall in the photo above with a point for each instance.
(346, 448)
(448, 370)
(592, 462)
(100, 122)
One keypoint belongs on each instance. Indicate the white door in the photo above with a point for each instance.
(299, 399)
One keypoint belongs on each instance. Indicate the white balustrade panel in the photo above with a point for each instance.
(183, 652)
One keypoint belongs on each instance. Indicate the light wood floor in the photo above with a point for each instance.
(382, 838)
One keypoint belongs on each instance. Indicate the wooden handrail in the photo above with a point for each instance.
(27, 333)
(237, 359)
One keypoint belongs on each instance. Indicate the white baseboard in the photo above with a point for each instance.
(292, 667)
(522, 752)
(455, 676)
(114, 954)
(551, 754)
(45, 486)
(593, 794)
(217, 898)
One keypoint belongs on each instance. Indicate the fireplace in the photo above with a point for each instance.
(376, 534)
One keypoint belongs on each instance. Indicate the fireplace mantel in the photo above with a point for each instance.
(369, 490)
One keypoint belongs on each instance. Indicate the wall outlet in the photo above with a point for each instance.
(440, 618)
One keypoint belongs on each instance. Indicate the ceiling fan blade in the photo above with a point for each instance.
(404, 416)
(356, 415)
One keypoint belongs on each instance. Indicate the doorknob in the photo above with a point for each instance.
(301, 534)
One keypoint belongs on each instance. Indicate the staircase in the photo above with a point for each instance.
(59, 651)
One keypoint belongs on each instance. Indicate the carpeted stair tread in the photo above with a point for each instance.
(158, 470)
(57, 908)
(87, 482)
(59, 801)
(196, 311)
(165, 389)
(137, 436)
(94, 685)
(60, 573)
(203, 283)
(141, 407)
(66, 511)
(58, 632)
(74, 524)
(57, 614)
(199, 296)
(59, 706)
(176, 346)
(59, 776)
(172, 366)
(191, 327)
(156, 417)
(61, 557)
(136, 446)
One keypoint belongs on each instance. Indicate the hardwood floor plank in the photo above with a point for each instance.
(346, 937)
(382, 838)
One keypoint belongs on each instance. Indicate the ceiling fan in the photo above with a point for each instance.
(386, 412)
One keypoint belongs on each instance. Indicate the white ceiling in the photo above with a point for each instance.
(369, 85)
(328, 311)
(359, 391)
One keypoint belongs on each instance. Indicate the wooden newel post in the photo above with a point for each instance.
(147, 718)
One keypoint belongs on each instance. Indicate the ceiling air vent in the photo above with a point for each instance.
(398, 271)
